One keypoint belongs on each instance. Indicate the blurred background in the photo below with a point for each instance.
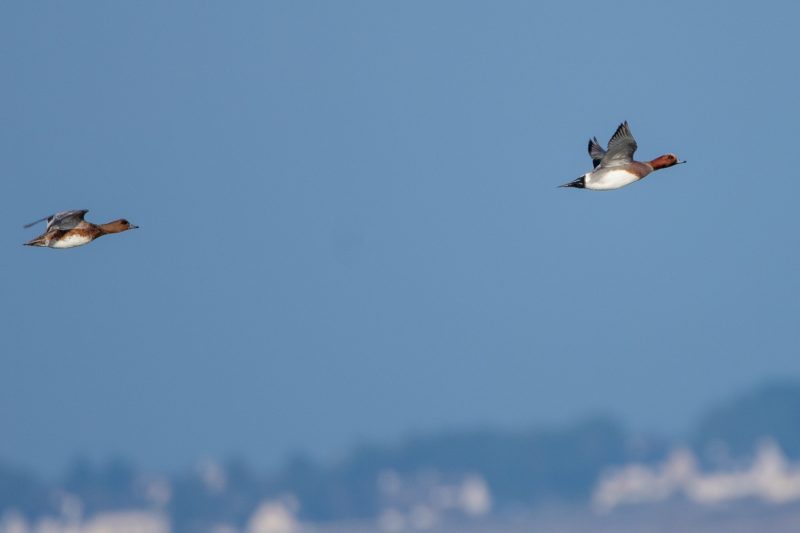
(358, 300)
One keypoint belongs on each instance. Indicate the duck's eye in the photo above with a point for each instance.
(124, 221)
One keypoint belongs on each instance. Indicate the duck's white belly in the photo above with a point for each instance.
(607, 180)
(71, 241)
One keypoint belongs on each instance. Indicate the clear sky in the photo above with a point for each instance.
(350, 226)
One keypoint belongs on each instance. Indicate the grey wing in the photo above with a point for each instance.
(620, 148)
(596, 151)
(66, 219)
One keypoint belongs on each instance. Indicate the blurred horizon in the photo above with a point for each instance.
(740, 465)
(758, 406)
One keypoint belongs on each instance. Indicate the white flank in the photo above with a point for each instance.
(607, 180)
(71, 241)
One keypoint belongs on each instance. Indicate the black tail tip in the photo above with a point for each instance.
(579, 183)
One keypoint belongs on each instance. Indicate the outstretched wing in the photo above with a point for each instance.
(620, 148)
(63, 220)
(596, 151)
(66, 219)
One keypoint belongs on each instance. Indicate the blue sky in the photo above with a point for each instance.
(350, 226)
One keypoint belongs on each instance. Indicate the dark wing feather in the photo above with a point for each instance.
(596, 151)
(621, 147)
(28, 225)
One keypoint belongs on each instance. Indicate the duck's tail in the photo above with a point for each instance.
(579, 183)
(38, 241)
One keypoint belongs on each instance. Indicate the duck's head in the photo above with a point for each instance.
(664, 161)
(118, 226)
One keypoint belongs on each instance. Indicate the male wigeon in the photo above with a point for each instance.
(615, 167)
(68, 229)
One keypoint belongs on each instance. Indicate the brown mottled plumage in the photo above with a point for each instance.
(68, 230)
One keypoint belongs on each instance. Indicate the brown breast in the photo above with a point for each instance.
(640, 169)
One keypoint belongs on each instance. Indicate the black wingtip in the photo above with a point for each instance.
(29, 224)
(623, 130)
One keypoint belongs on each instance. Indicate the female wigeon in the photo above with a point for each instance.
(68, 229)
(615, 167)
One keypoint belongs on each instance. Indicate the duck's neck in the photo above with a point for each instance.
(110, 227)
